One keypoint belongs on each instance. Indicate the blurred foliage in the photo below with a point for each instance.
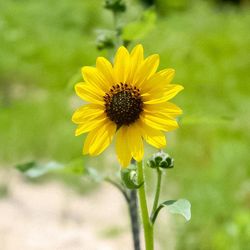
(140, 28)
(115, 5)
(43, 46)
(44, 39)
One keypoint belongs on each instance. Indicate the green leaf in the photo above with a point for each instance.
(181, 206)
(35, 170)
(39, 170)
(139, 29)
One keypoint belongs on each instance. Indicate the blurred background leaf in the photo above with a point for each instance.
(140, 28)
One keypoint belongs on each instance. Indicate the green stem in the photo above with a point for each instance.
(157, 192)
(147, 225)
(155, 214)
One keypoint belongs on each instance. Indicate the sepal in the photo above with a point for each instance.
(129, 177)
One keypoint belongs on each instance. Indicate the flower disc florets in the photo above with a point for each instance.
(123, 104)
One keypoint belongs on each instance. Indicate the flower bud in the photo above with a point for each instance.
(162, 160)
(151, 164)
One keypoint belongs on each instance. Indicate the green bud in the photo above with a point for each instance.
(158, 159)
(129, 177)
(115, 5)
(163, 164)
(170, 162)
(162, 160)
(151, 164)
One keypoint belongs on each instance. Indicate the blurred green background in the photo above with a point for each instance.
(43, 45)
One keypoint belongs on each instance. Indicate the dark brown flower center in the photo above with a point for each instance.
(123, 104)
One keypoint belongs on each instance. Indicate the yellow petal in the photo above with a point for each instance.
(121, 65)
(153, 136)
(159, 122)
(89, 93)
(89, 125)
(158, 81)
(167, 74)
(99, 138)
(171, 91)
(87, 112)
(106, 69)
(147, 69)
(167, 108)
(94, 78)
(135, 142)
(136, 61)
(121, 146)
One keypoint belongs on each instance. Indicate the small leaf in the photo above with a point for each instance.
(181, 206)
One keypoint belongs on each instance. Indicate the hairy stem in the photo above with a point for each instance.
(157, 192)
(147, 225)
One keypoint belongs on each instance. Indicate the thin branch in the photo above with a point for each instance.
(123, 191)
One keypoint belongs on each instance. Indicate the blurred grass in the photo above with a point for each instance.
(43, 46)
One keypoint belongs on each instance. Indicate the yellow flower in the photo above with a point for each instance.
(128, 99)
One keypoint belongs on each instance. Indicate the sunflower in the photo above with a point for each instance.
(127, 100)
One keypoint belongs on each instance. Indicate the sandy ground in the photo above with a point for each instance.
(51, 217)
